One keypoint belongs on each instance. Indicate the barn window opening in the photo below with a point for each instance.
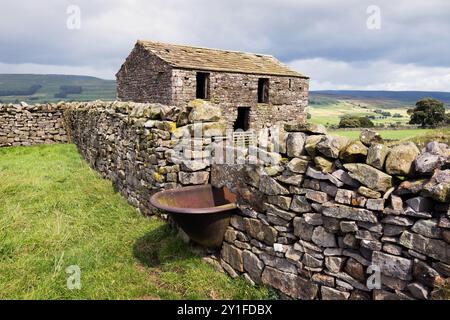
(290, 83)
(203, 85)
(263, 90)
(243, 119)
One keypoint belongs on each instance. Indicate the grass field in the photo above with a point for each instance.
(419, 136)
(56, 212)
(93, 88)
(330, 114)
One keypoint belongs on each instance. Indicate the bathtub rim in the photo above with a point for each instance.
(154, 200)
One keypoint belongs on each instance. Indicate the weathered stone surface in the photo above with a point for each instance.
(310, 128)
(311, 144)
(302, 229)
(392, 249)
(293, 254)
(433, 248)
(188, 178)
(349, 279)
(311, 262)
(233, 256)
(314, 219)
(300, 204)
(344, 196)
(398, 221)
(252, 265)
(368, 137)
(433, 157)
(323, 238)
(369, 193)
(229, 269)
(280, 201)
(260, 231)
(420, 204)
(202, 110)
(439, 186)
(281, 264)
(290, 284)
(401, 159)
(348, 226)
(411, 187)
(423, 273)
(295, 180)
(396, 203)
(375, 204)
(386, 295)
(356, 151)
(297, 165)
(369, 176)
(345, 212)
(286, 215)
(317, 196)
(334, 264)
(418, 290)
(323, 279)
(427, 228)
(295, 144)
(328, 188)
(376, 155)
(349, 241)
(333, 294)
(357, 256)
(442, 268)
(193, 165)
(331, 146)
(393, 266)
(355, 269)
(270, 186)
(323, 164)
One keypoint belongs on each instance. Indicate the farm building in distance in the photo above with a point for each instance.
(255, 90)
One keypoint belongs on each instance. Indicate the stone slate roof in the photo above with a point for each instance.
(186, 57)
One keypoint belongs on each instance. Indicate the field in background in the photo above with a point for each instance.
(50, 85)
(329, 107)
(56, 212)
(419, 136)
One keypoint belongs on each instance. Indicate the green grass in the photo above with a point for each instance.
(93, 88)
(56, 212)
(387, 134)
(330, 113)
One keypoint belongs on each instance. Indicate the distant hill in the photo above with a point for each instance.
(389, 98)
(38, 88)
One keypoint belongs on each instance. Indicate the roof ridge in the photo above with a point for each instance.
(207, 48)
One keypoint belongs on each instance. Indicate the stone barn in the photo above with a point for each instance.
(255, 90)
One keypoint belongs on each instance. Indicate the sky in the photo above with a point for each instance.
(346, 44)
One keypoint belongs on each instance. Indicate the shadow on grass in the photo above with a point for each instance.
(161, 246)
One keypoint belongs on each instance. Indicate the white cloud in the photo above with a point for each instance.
(412, 39)
(373, 75)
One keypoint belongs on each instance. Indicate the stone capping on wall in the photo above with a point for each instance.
(341, 219)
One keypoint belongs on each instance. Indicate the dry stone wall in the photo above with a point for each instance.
(324, 217)
(339, 219)
(24, 125)
(144, 148)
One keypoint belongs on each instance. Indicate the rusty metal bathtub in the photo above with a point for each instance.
(203, 212)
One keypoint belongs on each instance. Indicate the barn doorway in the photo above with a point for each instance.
(243, 119)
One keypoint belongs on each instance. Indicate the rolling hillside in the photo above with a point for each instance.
(52, 88)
